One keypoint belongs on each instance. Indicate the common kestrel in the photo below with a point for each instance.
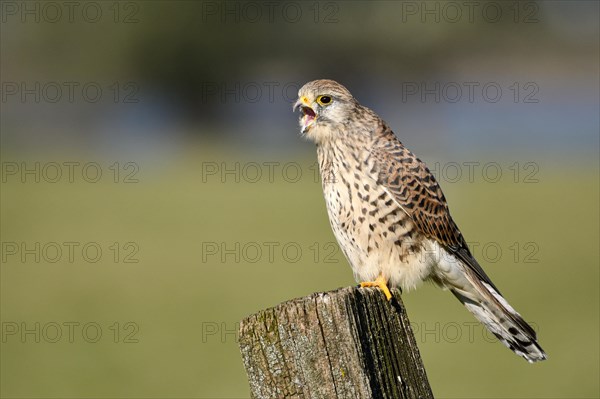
(390, 216)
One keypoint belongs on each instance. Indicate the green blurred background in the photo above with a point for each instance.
(216, 209)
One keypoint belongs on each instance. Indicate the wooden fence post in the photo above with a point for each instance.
(348, 343)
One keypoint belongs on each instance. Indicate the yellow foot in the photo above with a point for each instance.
(381, 283)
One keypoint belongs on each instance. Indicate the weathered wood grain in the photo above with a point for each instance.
(348, 343)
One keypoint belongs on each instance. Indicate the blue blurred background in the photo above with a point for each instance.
(155, 190)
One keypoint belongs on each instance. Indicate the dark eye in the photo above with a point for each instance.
(324, 100)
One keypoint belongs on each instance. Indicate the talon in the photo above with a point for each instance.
(381, 283)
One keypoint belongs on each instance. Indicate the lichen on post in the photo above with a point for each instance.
(348, 343)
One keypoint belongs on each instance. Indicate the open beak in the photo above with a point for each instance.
(308, 114)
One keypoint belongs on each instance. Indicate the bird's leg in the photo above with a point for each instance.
(380, 282)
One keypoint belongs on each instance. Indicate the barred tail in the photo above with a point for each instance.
(490, 308)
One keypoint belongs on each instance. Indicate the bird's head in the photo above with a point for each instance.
(326, 106)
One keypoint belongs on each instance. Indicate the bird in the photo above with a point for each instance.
(389, 214)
